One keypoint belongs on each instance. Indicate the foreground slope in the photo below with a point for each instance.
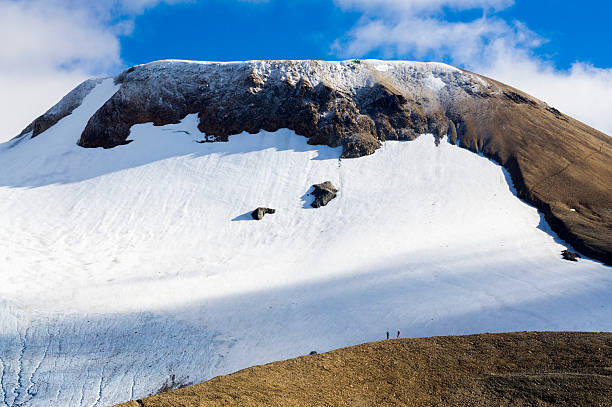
(515, 369)
(135, 268)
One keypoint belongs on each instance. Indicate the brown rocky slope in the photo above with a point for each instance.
(561, 166)
(513, 369)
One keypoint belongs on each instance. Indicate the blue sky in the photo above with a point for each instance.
(558, 51)
(224, 31)
(303, 29)
(576, 31)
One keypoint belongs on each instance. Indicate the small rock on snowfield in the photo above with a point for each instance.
(323, 193)
(570, 256)
(260, 212)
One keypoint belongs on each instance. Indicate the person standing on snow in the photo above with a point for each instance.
(398, 333)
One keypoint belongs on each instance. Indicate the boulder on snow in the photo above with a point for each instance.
(570, 256)
(260, 212)
(323, 193)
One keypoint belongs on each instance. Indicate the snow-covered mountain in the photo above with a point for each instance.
(138, 265)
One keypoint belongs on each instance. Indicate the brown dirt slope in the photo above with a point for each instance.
(513, 369)
(558, 164)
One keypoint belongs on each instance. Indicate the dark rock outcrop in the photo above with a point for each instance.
(260, 212)
(556, 163)
(569, 256)
(518, 98)
(231, 99)
(452, 133)
(323, 193)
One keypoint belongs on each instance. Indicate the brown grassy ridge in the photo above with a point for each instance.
(509, 369)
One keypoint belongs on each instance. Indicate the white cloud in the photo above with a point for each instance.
(465, 42)
(41, 36)
(487, 44)
(583, 91)
(24, 96)
(48, 46)
(414, 6)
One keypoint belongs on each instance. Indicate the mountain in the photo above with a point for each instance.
(556, 163)
(131, 260)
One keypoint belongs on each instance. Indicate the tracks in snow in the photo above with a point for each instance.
(52, 352)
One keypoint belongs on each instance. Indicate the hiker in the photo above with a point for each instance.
(398, 333)
(387, 334)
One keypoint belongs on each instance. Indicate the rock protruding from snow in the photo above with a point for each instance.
(323, 193)
(452, 132)
(260, 212)
(569, 255)
(348, 104)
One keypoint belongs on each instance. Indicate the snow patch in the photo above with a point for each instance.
(433, 82)
(382, 68)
